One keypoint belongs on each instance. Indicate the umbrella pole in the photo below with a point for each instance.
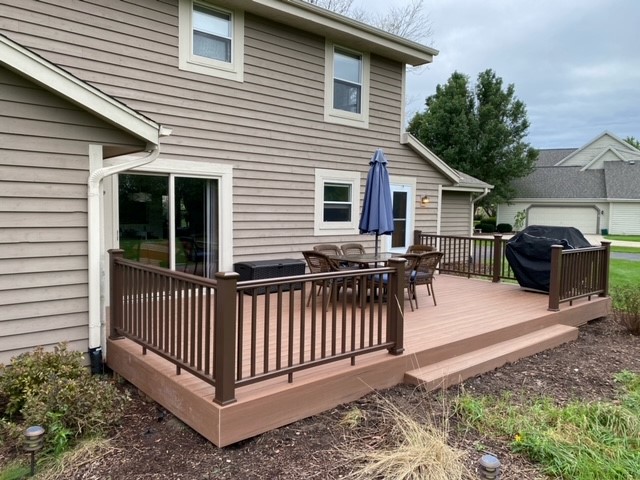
(376, 247)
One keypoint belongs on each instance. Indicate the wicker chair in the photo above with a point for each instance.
(319, 262)
(352, 249)
(409, 273)
(420, 248)
(328, 249)
(424, 271)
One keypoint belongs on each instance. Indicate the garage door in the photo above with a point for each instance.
(584, 219)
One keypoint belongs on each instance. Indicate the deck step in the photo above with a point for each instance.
(457, 369)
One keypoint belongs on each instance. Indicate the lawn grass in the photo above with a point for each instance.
(578, 441)
(626, 238)
(623, 272)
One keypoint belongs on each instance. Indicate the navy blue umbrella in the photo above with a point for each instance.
(377, 211)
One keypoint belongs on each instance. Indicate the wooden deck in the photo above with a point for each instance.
(476, 327)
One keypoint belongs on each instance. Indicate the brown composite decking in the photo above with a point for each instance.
(476, 326)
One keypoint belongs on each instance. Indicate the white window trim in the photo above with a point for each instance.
(337, 176)
(207, 66)
(220, 172)
(341, 117)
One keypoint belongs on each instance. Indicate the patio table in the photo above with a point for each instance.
(367, 259)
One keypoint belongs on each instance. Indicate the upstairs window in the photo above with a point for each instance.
(212, 33)
(347, 81)
(346, 87)
(211, 40)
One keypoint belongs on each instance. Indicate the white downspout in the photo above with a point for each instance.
(473, 206)
(95, 266)
(439, 211)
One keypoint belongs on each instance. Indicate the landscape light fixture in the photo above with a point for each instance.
(489, 467)
(33, 441)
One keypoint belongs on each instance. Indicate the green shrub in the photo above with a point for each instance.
(490, 220)
(55, 390)
(29, 371)
(504, 227)
(626, 307)
(487, 227)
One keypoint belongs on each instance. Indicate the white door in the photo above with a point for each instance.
(402, 196)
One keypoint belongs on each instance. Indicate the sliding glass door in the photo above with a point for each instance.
(170, 221)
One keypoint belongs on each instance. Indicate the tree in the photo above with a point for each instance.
(633, 141)
(408, 21)
(480, 132)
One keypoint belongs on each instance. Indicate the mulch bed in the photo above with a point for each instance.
(152, 444)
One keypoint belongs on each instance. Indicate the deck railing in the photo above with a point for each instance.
(576, 273)
(470, 256)
(230, 333)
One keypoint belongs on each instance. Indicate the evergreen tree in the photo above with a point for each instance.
(480, 131)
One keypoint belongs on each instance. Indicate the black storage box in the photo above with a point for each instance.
(261, 269)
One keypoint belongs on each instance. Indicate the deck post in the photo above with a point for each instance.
(416, 237)
(115, 288)
(497, 257)
(555, 276)
(605, 268)
(395, 302)
(225, 337)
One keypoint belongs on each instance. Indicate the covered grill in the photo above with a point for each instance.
(529, 252)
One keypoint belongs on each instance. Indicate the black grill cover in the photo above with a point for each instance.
(529, 252)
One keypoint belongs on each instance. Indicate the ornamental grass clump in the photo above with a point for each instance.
(626, 307)
(413, 450)
(55, 390)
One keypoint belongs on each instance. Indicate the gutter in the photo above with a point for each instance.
(96, 262)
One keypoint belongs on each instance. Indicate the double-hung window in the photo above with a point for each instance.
(211, 40)
(337, 195)
(346, 86)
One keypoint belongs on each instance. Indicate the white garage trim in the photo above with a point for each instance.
(584, 218)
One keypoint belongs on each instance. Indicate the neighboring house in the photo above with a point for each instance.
(594, 188)
(274, 108)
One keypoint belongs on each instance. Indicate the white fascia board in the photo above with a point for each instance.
(32, 66)
(465, 189)
(338, 28)
(429, 156)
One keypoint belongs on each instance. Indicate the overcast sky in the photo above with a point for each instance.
(574, 63)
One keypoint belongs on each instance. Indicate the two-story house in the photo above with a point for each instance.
(193, 135)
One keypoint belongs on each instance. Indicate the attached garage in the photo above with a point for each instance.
(585, 219)
(625, 218)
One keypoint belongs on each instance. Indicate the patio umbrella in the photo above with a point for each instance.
(377, 212)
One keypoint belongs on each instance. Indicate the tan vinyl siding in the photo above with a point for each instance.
(270, 127)
(43, 216)
(456, 214)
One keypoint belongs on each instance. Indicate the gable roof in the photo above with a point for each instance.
(458, 178)
(44, 73)
(561, 182)
(615, 142)
(338, 28)
(616, 176)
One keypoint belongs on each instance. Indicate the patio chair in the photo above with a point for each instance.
(352, 249)
(328, 249)
(409, 273)
(420, 248)
(318, 262)
(424, 271)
